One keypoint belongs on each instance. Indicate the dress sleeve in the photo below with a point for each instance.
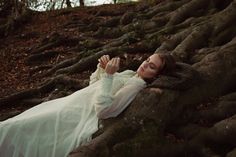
(96, 75)
(108, 105)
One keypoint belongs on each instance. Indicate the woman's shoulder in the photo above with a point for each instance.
(127, 73)
(136, 81)
(132, 78)
(124, 76)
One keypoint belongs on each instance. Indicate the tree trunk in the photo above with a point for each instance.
(14, 14)
(68, 3)
(81, 2)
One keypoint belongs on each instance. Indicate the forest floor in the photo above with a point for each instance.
(15, 73)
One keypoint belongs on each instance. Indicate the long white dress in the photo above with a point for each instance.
(56, 127)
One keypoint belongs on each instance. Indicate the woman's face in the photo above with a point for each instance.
(150, 67)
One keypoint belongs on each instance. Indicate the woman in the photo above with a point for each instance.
(54, 128)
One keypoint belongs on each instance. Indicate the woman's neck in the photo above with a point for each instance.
(137, 75)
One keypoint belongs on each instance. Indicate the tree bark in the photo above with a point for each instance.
(81, 2)
(68, 3)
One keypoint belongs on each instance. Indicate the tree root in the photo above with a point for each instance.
(47, 86)
(40, 57)
(186, 10)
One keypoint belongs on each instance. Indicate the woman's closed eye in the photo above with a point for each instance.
(151, 65)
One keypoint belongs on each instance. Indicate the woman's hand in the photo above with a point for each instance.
(103, 61)
(112, 66)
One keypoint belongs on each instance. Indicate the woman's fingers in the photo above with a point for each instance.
(117, 63)
(104, 60)
(112, 66)
(113, 62)
(107, 58)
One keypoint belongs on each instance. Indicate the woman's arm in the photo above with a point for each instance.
(96, 75)
(100, 69)
(108, 105)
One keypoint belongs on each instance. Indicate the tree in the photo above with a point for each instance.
(68, 3)
(13, 13)
(81, 2)
(194, 115)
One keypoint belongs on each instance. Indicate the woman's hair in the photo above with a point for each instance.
(168, 65)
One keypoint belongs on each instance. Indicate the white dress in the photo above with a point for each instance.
(56, 127)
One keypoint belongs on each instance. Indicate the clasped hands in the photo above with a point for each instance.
(110, 66)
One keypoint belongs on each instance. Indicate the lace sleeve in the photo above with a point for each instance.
(108, 105)
(96, 75)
